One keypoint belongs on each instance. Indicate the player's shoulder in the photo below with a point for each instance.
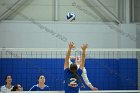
(80, 70)
(66, 70)
(33, 87)
(3, 86)
(46, 87)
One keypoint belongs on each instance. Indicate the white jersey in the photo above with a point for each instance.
(4, 89)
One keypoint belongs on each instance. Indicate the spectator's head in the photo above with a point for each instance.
(17, 87)
(8, 79)
(41, 79)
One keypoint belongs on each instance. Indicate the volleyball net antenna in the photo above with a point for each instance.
(110, 70)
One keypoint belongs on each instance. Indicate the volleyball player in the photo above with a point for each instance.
(72, 75)
(8, 87)
(41, 85)
(77, 60)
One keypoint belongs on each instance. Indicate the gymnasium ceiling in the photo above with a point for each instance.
(86, 10)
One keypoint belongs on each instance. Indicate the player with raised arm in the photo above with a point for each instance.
(72, 75)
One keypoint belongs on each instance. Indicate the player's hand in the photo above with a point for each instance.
(84, 46)
(71, 45)
(94, 89)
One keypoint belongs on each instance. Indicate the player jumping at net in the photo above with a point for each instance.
(73, 74)
(78, 61)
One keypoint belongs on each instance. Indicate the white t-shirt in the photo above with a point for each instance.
(4, 89)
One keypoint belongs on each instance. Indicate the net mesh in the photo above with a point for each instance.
(107, 69)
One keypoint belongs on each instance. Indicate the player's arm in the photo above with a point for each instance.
(92, 87)
(86, 80)
(71, 58)
(66, 64)
(84, 47)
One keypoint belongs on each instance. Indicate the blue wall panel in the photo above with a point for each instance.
(106, 74)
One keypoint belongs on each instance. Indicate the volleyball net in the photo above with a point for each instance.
(107, 69)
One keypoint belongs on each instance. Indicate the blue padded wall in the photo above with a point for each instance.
(106, 74)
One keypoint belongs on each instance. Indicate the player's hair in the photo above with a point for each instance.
(77, 76)
(73, 66)
(15, 87)
(39, 76)
(6, 77)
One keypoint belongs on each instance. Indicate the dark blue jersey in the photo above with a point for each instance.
(72, 84)
(36, 88)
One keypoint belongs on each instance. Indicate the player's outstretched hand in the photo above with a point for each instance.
(94, 89)
(84, 46)
(71, 45)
